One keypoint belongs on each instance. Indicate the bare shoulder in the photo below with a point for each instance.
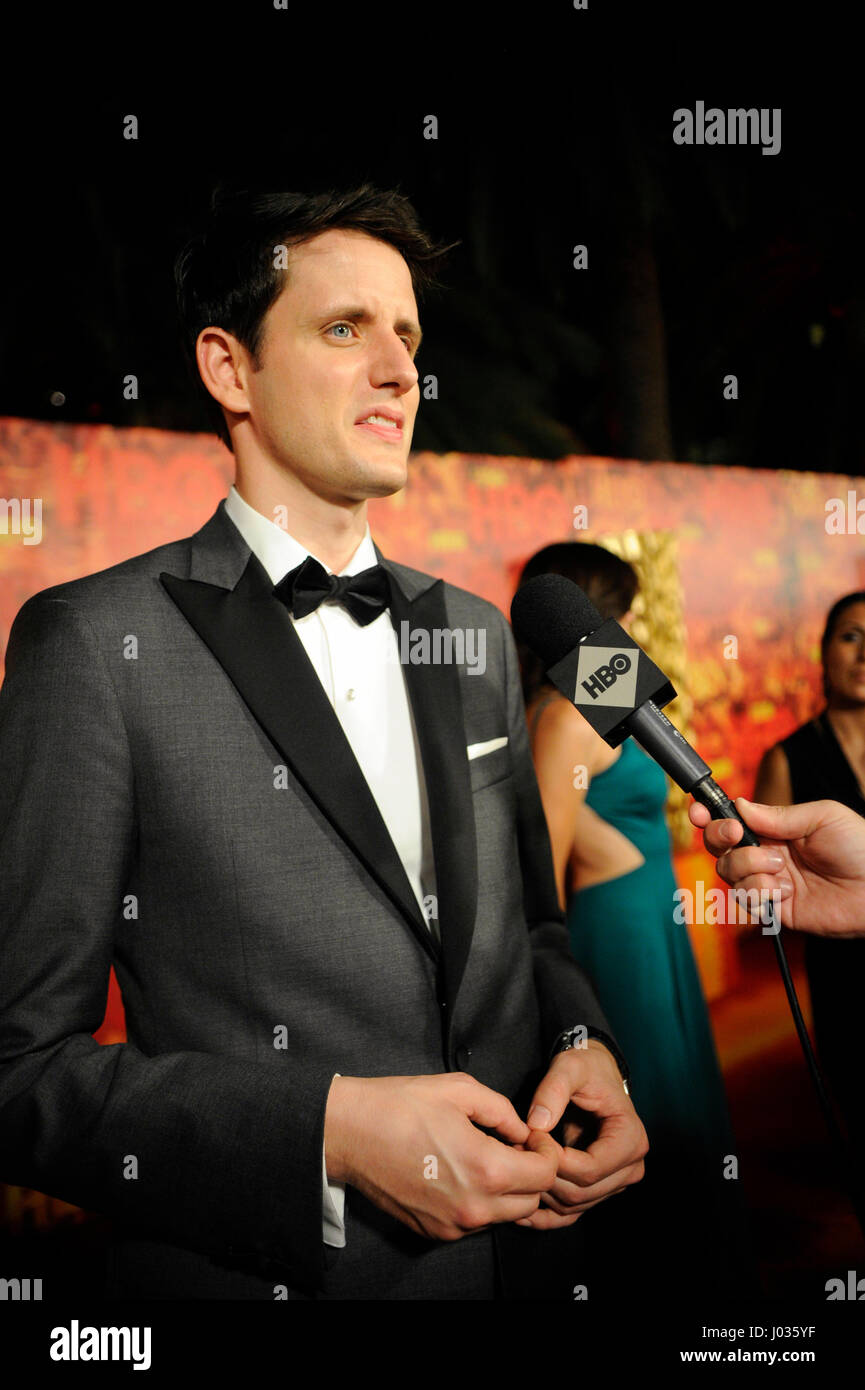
(773, 785)
(559, 725)
(775, 759)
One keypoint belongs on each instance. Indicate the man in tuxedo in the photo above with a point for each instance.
(321, 872)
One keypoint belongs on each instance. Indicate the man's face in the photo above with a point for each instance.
(335, 395)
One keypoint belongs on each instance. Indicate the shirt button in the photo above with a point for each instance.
(351, 694)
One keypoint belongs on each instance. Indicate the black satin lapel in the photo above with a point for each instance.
(434, 691)
(252, 637)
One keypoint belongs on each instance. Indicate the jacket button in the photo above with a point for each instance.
(462, 1056)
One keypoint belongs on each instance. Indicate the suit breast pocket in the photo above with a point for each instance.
(490, 768)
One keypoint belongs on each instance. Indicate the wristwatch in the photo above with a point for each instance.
(580, 1035)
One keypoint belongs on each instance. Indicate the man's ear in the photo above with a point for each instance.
(223, 364)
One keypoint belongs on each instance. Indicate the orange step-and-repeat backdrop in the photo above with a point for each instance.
(757, 562)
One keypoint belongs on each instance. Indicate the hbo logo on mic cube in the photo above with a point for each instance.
(607, 676)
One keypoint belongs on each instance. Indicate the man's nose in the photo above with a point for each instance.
(392, 365)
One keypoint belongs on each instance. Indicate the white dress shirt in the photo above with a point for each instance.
(361, 674)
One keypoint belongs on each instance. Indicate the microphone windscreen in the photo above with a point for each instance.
(552, 615)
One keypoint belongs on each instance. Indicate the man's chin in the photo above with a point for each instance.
(382, 481)
(385, 489)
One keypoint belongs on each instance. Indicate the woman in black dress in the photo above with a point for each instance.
(825, 760)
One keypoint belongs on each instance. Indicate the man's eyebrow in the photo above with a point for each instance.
(355, 315)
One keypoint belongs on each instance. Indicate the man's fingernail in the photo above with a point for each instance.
(776, 861)
(539, 1117)
(785, 887)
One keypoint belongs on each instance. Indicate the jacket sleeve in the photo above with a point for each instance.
(211, 1152)
(565, 994)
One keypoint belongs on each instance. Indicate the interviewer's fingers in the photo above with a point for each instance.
(743, 875)
(719, 835)
(781, 823)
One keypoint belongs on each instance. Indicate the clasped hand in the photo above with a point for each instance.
(589, 1080)
(416, 1146)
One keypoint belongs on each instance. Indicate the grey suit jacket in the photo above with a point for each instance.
(261, 924)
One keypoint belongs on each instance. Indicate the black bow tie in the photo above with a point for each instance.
(363, 595)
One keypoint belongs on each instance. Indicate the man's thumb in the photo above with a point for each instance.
(777, 822)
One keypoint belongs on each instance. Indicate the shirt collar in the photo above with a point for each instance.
(278, 551)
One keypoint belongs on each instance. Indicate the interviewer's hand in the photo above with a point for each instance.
(381, 1134)
(588, 1078)
(813, 857)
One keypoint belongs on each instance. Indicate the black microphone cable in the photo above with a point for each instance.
(710, 795)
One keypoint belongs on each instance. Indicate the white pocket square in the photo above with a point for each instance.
(477, 750)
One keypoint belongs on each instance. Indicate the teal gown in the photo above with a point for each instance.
(686, 1218)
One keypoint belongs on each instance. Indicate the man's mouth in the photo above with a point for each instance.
(383, 425)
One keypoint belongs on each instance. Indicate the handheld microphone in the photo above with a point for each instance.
(615, 686)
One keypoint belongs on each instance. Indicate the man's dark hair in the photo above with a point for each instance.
(609, 582)
(226, 274)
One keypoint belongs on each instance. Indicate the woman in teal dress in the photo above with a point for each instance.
(612, 857)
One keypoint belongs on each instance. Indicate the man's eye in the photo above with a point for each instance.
(347, 326)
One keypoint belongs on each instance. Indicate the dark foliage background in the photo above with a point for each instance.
(555, 128)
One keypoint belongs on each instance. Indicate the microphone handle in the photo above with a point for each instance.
(716, 800)
(662, 741)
